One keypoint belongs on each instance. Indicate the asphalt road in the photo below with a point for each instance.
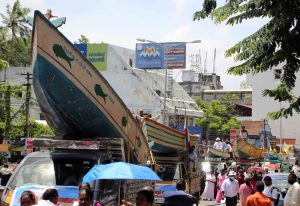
(208, 203)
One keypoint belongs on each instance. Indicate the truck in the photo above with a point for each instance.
(171, 170)
(53, 161)
(91, 122)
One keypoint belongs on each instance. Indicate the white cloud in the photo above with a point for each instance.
(33, 4)
(180, 34)
(179, 8)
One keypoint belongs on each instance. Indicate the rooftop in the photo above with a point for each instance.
(253, 127)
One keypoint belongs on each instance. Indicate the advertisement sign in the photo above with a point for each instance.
(171, 55)
(175, 55)
(149, 56)
(233, 134)
(95, 53)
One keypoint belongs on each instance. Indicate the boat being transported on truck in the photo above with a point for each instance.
(75, 98)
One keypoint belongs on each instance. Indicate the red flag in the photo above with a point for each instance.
(186, 132)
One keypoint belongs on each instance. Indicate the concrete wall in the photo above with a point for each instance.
(262, 105)
(129, 86)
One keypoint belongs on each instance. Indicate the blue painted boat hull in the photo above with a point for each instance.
(68, 110)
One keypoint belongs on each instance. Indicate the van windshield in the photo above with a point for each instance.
(47, 171)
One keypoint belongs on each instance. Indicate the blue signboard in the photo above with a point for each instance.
(82, 48)
(175, 55)
(149, 56)
(171, 55)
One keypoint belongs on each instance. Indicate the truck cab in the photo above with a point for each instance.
(63, 167)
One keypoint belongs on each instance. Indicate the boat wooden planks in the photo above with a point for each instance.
(51, 45)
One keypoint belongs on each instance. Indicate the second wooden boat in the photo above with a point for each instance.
(245, 150)
(215, 153)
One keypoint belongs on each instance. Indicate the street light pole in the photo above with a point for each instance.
(166, 83)
(166, 51)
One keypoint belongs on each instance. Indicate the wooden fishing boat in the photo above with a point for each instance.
(163, 139)
(215, 153)
(245, 150)
(74, 97)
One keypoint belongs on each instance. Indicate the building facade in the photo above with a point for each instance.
(139, 89)
(261, 106)
(195, 83)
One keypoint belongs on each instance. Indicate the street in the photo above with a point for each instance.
(208, 203)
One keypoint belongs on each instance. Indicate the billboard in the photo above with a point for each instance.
(171, 55)
(175, 55)
(95, 53)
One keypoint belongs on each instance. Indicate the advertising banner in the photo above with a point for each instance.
(95, 53)
(149, 56)
(171, 55)
(175, 55)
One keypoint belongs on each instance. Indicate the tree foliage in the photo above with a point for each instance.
(274, 43)
(221, 115)
(17, 129)
(15, 36)
(83, 40)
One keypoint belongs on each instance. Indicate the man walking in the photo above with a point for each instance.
(258, 199)
(270, 190)
(230, 189)
(292, 197)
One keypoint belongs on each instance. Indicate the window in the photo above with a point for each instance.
(191, 122)
(48, 171)
(158, 92)
(277, 73)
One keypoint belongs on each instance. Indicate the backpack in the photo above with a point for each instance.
(278, 196)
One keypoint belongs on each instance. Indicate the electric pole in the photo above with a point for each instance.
(27, 101)
(7, 96)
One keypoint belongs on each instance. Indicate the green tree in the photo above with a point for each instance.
(82, 40)
(275, 42)
(244, 85)
(15, 22)
(220, 116)
(17, 129)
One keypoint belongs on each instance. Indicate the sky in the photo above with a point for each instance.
(121, 22)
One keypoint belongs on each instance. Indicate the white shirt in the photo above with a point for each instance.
(218, 145)
(292, 197)
(271, 193)
(230, 188)
(45, 203)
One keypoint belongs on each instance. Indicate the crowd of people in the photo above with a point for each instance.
(252, 189)
(144, 197)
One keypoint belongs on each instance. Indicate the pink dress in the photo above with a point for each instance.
(245, 192)
(220, 180)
